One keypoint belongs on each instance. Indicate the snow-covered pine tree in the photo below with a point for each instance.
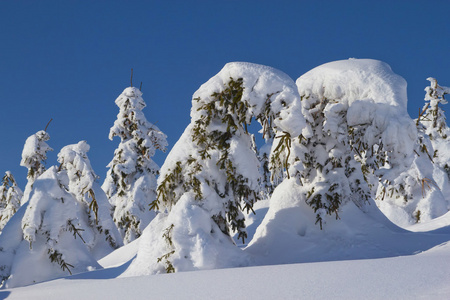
(212, 172)
(84, 186)
(130, 183)
(10, 195)
(433, 120)
(420, 193)
(34, 155)
(359, 131)
(331, 174)
(364, 108)
(66, 226)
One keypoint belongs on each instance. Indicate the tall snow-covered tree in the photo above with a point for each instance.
(10, 195)
(34, 155)
(130, 183)
(212, 172)
(359, 134)
(65, 227)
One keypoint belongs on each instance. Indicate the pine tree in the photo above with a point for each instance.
(362, 138)
(66, 223)
(34, 155)
(212, 174)
(433, 122)
(331, 174)
(10, 195)
(84, 187)
(130, 183)
(215, 154)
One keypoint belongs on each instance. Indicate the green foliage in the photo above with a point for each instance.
(167, 236)
(57, 257)
(75, 231)
(280, 156)
(417, 216)
(335, 160)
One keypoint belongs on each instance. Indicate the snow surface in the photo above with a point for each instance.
(421, 276)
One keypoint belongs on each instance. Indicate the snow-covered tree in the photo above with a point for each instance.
(34, 155)
(212, 172)
(130, 183)
(420, 193)
(65, 227)
(433, 122)
(84, 186)
(10, 195)
(330, 171)
(359, 134)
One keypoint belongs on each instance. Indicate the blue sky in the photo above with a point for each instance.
(69, 60)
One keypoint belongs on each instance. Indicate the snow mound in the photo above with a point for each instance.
(288, 233)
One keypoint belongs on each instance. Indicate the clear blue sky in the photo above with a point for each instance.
(69, 60)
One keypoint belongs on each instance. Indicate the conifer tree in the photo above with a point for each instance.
(34, 155)
(433, 122)
(212, 173)
(10, 195)
(330, 173)
(84, 187)
(355, 151)
(130, 183)
(66, 223)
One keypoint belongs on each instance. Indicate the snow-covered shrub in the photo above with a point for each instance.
(212, 172)
(10, 196)
(130, 183)
(34, 155)
(64, 227)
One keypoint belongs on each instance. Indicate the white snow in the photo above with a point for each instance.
(422, 276)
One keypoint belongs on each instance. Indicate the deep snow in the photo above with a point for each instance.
(421, 276)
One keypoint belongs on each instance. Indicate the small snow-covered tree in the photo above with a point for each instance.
(84, 186)
(66, 226)
(130, 183)
(10, 195)
(433, 122)
(34, 155)
(432, 116)
(212, 173)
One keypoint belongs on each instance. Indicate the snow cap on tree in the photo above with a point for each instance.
(131, 180)
(34, 155)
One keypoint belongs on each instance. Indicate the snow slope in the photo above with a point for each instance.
(422, 276)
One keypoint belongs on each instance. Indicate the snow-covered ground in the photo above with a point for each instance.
(421, 276)
(424, 275)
